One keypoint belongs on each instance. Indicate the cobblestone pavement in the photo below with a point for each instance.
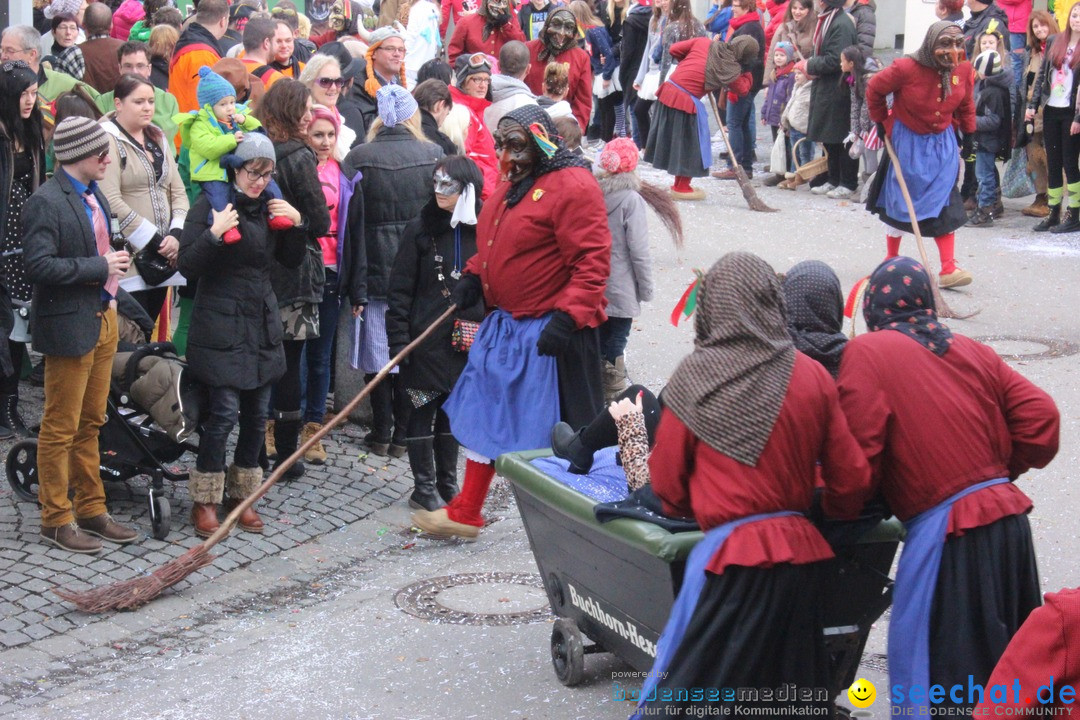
(349, 487)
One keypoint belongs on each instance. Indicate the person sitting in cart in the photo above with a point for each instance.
(746, 420)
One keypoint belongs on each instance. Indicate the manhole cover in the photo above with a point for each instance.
(876, 661)
(1024, 347)
(495, 598)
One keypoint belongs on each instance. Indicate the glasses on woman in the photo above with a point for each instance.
(326, 83)
(259, 177)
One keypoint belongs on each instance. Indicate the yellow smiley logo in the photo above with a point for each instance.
(862, 693)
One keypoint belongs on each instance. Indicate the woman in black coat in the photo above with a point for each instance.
(396, 163)
(433, 252)
(830, 99)
(22, 169)
(285, 112)
(234, 347)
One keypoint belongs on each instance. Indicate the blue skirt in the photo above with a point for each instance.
(507, 398)
(930, 164)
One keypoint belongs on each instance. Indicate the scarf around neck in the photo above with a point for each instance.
(526, 116)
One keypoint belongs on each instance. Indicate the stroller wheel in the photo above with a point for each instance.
(567, 652)
(160, 515)
(21, 469)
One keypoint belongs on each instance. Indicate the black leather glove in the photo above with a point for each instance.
(467, 292)
(880, 132)
(556, 334)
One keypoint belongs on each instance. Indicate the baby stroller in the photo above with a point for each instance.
(151, 420)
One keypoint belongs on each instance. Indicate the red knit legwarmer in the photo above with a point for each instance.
(946, 245)
(682, 184)
(465, 508)
(892, 246)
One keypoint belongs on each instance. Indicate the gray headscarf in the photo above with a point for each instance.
(815, 312)
(925, 54)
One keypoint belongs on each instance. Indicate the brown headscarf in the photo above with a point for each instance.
(729, 390)
(726, 61)
(925, 54)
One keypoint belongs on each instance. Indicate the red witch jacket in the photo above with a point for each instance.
(932, 426)
(580, 94)
(917, 97)
(468, 37)
(551, 251)
(693, 479)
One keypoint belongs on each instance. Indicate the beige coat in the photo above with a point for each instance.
(144, 205)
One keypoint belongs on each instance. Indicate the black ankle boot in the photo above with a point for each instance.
(1051, 220)
(446, 455)
(567, 444)
(1070, 222)
(10, 418)
(287, 439)
(421, 460)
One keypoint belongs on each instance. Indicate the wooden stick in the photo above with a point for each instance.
(230, 521)
(752, 199)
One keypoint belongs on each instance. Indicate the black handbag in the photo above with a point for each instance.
(152, 265)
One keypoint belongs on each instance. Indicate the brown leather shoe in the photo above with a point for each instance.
(106, 528)
(249, 520)
(439, 524)
(204, 519)
(68, 537)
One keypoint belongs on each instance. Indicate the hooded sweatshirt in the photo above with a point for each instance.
(993, 125)
(507, 93)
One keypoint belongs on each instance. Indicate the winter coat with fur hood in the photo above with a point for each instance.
(631, 279)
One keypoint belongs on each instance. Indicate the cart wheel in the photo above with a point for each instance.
(21, 469)
(160, 515)
(567, 652)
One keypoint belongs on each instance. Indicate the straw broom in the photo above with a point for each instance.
(131, 594)
(943, 309)
(756, 204)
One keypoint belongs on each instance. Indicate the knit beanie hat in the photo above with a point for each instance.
(619, 156)
(471, 64)
(801, 67)
(788, 49)
(255, 146)
(62, 7)
(212, 87)
(77, 138)
(395, 104)
(988, 63)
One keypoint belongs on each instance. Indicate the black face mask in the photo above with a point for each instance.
(516, 152)
(560, 32)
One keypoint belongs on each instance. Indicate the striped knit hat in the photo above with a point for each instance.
(77, 138)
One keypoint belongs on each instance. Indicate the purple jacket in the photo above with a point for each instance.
(352, 257)
(776, 98)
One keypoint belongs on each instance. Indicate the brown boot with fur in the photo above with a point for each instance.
(205, 489)
(1039, 208)
(239, 483)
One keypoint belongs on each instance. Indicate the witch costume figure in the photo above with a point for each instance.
(947, 426)
(542, 263)
(680, 141)
(558, 43)
(933, 97)
(746, 421)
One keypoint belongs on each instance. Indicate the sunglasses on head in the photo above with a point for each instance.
(12, 65)
(330, 82)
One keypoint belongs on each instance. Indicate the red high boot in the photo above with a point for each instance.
(461, 518)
